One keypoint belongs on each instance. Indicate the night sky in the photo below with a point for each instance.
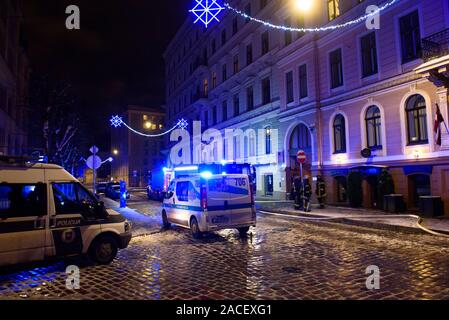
(114, 60)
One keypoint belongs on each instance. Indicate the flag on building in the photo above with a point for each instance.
(437, 128)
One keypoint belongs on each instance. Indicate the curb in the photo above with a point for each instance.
(360, 223)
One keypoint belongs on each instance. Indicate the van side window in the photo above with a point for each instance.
(182, 191)
(71, 198)
(23, 200)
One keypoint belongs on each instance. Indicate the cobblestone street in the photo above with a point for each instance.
(283, 258)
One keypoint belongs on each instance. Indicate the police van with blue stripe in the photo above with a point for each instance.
(206, 202)
(46, 212)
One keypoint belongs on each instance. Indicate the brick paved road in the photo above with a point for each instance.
(283, 259)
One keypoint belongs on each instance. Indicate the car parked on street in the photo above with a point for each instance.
(155, 195)
(46, 212)
(206, 202)
(113, 192)
(102, 187)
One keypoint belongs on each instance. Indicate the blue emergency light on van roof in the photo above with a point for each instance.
(186, 168)
(206, 174)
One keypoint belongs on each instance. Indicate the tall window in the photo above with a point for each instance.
(303, 89)
(373, 128)
(249, 54)
(333, 7)
(336, 66)
(206, 118)
(214, 80)
(224, 73)
(223, 37)
(417, 120)
(214, 46)
(369, 54)
(235, 26)
(205, 87)
(289, 86)
(249, 98)
(266, 91)
(410, 37)
(268, 134)
(265, 43)
(236, 64)
(339, 134)
(236, 105)
(214, 115)
(224, 110)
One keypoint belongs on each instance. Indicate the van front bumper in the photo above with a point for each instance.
(125, 239)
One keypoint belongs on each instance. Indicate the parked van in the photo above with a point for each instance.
(46, 212)
(207, 202)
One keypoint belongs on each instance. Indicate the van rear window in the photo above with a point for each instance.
(23, 200)
(238, 186)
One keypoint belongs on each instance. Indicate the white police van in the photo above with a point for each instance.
(209, 202)
(46, 212)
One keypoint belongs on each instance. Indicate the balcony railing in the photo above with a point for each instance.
(436, 45)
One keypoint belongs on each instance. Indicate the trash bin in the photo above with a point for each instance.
(394, 203)
(431, 206)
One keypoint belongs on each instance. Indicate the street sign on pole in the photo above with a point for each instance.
(302, 158)
(95, 164)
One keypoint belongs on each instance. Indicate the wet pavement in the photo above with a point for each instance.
(283, 258)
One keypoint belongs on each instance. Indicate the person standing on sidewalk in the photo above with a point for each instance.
(307, 194)
(321, 191)
(298, 193)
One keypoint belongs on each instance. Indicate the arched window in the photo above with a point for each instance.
(416, 120)
(373, 128)
(268, 133)
(300, 139)
(339, 134)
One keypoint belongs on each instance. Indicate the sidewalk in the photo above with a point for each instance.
(352, 216)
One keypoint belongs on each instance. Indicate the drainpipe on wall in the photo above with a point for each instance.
(319, 124)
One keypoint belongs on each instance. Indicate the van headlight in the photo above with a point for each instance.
(127, 226)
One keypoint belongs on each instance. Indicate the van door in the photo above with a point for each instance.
(181, 206)
(74, 220)
(240, 200)
(23, 220)
(219, 201)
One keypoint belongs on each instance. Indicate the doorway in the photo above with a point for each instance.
(269, 185)
(419, 186)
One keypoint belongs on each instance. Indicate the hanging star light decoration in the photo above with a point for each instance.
(117, 122)
(207, 11)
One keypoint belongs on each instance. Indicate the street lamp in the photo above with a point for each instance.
(303, 5)
(115, 152)
(148, 125)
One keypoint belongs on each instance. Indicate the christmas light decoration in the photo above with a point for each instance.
(117, 122)
(315, 29)
(206, 11)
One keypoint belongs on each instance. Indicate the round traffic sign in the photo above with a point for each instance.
(93, 162)
(301, 156)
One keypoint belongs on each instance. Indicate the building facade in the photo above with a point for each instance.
(14, 81)
(332, 94)
(137, 157)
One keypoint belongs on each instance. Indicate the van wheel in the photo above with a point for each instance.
(103, 250)
(243, 231)
(195, 229)
(165, 222)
